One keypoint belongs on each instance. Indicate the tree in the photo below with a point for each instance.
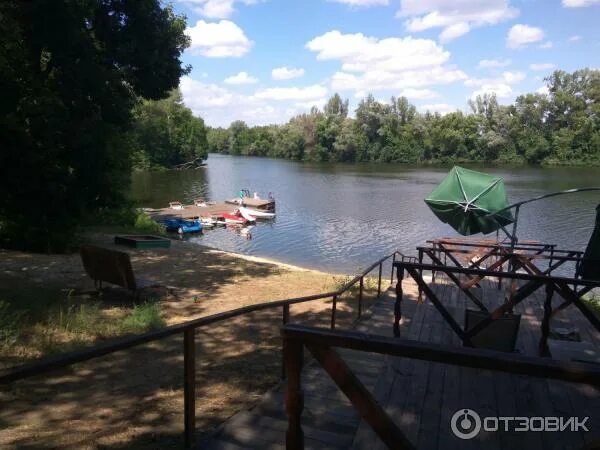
(70, 72)
(218, 140)
(336, 106)
(167, 133)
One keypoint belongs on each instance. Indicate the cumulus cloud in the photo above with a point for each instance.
(286, 73)
(241, 78)
(542, 66)
(579, 3)
(220, 106)
(293, 93)
(418, 94)
(218, 39)
(493, 63)
(442, 108)
(520, 35)
(575, 38)
(370, 64)
(501, 85)
(545, 45)
(215, 9)
(455, 17)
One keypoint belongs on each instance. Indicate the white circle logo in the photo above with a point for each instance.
(465, 424)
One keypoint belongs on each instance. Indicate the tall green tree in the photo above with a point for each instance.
(70, 71)
(166, 133)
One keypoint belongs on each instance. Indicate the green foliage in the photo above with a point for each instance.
(144, 317)
(145, 224)
(562, 127)
(70, 74)
(10, 324)
(166, 133)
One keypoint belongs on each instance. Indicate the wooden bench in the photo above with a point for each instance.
(112, 266)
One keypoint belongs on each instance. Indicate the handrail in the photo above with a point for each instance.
(322, 344)
(45, 365)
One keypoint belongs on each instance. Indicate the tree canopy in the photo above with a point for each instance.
(561, 127)
(71, 72)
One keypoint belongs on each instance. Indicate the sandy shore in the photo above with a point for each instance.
(134, 398)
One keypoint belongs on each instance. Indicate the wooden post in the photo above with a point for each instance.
(360, 297)
(543, 346)
(398, 304)
(420, 296)
(392, 274)
(285, 320)
(294, 398)
(189, 385)
(333, 310)
(379, 283)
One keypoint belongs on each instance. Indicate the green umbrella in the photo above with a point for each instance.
(465, 197)
(590, 266)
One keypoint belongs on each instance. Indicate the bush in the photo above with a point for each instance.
(145, 224)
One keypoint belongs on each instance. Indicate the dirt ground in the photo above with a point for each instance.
(134, 398)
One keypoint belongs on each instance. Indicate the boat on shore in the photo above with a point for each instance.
(234, 218)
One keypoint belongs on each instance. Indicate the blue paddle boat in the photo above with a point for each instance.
(182, 226)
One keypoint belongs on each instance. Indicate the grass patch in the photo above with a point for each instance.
(41, 328)
(593, 302)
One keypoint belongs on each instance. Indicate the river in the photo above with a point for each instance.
(340, 217)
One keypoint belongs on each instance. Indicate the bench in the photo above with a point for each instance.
(111, 266)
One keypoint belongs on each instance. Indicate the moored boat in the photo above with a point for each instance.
(234, 218)
(182, 226)
(257, 213)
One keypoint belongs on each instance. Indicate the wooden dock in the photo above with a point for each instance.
(214, 210)
(421, 396)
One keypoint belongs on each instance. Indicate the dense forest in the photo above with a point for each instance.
(560, 127)
(72, 120)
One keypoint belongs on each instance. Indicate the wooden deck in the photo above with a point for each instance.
(211, 210)
(421, 396)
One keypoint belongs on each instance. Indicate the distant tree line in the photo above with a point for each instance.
(561, 127)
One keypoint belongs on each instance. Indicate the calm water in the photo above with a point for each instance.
(340, 217)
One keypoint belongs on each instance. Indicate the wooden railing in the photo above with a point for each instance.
(321, 345)
(570, 289)
(188, 329)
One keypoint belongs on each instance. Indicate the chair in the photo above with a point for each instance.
(500, 335)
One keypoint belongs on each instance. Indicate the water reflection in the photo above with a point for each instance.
(338, 217)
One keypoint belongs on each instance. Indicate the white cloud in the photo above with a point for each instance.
(218, 40)
(543, 90)
(542, 66)
(520, 35)
(501, 86)
(579, 3)
(493, 63)
(286, 73)
(454, 31)
(547, 44)
(575, 38)
(219, 106)
(420, 94)
(241, 78)
(215, 9)
(456, 17)
(362, 2)
(293, 93)
(442, 108)
(369, 64)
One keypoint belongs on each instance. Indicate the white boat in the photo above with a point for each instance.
(208, 222)
(256, 213)
(246, 215)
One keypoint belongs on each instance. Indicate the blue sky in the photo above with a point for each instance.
(263, 61)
